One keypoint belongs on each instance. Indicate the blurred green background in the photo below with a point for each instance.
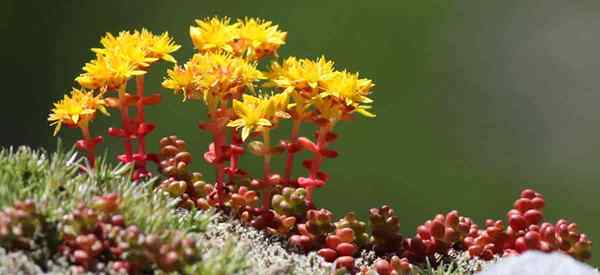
(475, 99)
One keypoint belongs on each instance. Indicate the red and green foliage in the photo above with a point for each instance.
(223, 74)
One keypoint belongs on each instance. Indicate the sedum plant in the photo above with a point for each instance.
(245, 105)
(78, 109)
(121, 58)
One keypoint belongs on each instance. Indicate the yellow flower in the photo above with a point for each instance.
(345, 91)
(141, 47)
(212, 77)
(180, 79)
(76, 109)
(302, 78)
(300, 74)
(258, 113)
(258, 38)
(107, 72)
(124, 56)
(159, 46)
(214, 34)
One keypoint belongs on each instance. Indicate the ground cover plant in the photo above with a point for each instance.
(146, 222)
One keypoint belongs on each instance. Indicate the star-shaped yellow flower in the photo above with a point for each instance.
(76, 109)
(257, 113)
(213, 76)
(300, 74)
(345, 91)
(214, 34)
(124, 56)
(108, 72)
(258, 38)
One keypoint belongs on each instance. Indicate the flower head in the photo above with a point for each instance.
(76, 109)
(107, 72)
(343, 93)
(214, 34)
(212, 77)
(300, 74)
(258, 113)
(140, 47)
(258, 38)
(124, 56)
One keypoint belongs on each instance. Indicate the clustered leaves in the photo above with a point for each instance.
(96, 234)
(179, 182)
(21, 226)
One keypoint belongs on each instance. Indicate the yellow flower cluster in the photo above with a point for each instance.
(250, 38)
(300, 74)
(317, 83)
(124, 56)
(344, 92)
(76, 109)
(257, 113)
(212, 77)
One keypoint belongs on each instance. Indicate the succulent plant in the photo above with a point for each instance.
(359, 229)
(223, 75)
(319, 223)
(291, 202)
(179, 182)
(386, 237)
(20, 225)
(395, 266)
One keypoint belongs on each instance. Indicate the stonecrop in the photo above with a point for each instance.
(258, 113)
(125, 56)
(76, 109)
(128, 55)
(244, 105)
(213, 78)
(251, 38)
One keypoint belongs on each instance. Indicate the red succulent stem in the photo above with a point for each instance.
(139, 81)
(235, 157)
(289, 163)
(316, 162)
(266, 196)
(140, 162)
(124, 108)
(219, 136)
(89, 144)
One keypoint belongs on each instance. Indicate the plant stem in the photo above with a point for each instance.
(139, 84)
(289, 163)
(90, 146)
(267, 168)
(124, 108)
(316, 162)
(234, 158)
(219, 141)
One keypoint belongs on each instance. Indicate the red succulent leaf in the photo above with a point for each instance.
(116, 132)
(308, 145)
(144, 128)
(151, 100)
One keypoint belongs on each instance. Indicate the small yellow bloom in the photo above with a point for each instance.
(345, 91)
(76, 109)
(159, 46)
(124, 56)
(300, 74)
(107, 72)
(212, 76)
(258, 38)
(141, 47)
(257, 113)
(214, 34)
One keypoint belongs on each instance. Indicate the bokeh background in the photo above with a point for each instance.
(475, 99)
